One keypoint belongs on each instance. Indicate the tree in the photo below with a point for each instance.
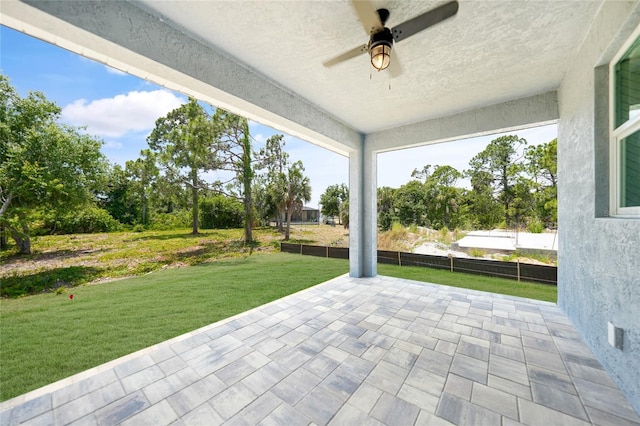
(410, 203)
(332, 199)
(291, 191)
(386, 210)
(275, 160)
(235, 154)
(43, 164)
(543, 168)
(142, 174)
(117, 199)
(184, 141)
(499, 166)
(443, 198)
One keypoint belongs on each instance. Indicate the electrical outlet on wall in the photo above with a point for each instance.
(615, 336)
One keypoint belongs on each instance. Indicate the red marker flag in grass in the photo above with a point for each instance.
(71, 297)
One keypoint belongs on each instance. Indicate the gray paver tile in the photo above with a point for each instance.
(516, 354)
(142, 378)
(320, 405)
(341, 384)
(513, 388)
(266, 377)
(235, 371)
(29, 410)
(426, 380)
(169, 385)
(401, 358)
(601, 418)
(458, 386)
(433, 361)
(536, 414)
(290, 358)
(256, 411)
(496, 400)
(552, 379)
(156, 415)
(202, 415)
(473, 350)
(133, 366)
(430, 419)
(171, 365)
(268, 346)
(354, 346)
(391, 410)
(83, 387)
(446, 347)
(231, 400)
(558, 400)
(88, 403)
(387, 377)
(508, 369)
(419, 398)
(356, 367)
(295, 386)
(195, 394)
(591, 374)
(284, 414)
(349, 416)
(321, 365)
(548, 360)
(461, 412)
(471, 368)
(122, 409)
(605, 399)
(374, 353)
(365, 397)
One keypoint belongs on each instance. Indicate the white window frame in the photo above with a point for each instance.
(616, 135)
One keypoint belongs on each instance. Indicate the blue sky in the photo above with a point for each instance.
(122, 109)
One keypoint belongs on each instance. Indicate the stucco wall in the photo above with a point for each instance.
(599, 256)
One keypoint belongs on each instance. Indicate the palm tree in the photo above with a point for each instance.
(292, 190)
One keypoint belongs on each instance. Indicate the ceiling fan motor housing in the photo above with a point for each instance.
(381, 37)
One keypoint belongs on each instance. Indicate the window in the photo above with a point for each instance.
(625, 132)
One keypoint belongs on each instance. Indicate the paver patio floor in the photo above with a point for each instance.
(351, 352)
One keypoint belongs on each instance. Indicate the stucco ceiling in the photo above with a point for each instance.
(263, 59)
(490, 52)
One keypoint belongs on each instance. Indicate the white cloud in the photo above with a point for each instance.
(112, 145)
(114, 117)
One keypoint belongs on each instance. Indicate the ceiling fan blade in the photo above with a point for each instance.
(427, 19)
(368, 17)
(346, 55)
(395, 69)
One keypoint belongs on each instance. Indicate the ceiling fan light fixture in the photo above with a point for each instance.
(380, 49)
(381, 56)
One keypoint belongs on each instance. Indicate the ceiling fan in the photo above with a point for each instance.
(381, 38)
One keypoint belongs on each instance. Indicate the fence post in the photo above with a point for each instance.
(327, 251)
(300, 248)
(399, 260)
(451, 261)
(518, 262)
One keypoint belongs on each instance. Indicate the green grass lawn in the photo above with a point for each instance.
(47, 337)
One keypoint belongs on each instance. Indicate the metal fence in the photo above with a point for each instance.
(493, 268)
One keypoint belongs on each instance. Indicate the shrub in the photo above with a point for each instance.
(88, 220)
(138, 228)
(174, 220)
(220, 212)
(535, 226)
(475, 252)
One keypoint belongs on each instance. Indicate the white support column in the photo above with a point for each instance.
(363, 217)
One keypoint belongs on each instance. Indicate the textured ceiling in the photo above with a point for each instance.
(490, 52)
